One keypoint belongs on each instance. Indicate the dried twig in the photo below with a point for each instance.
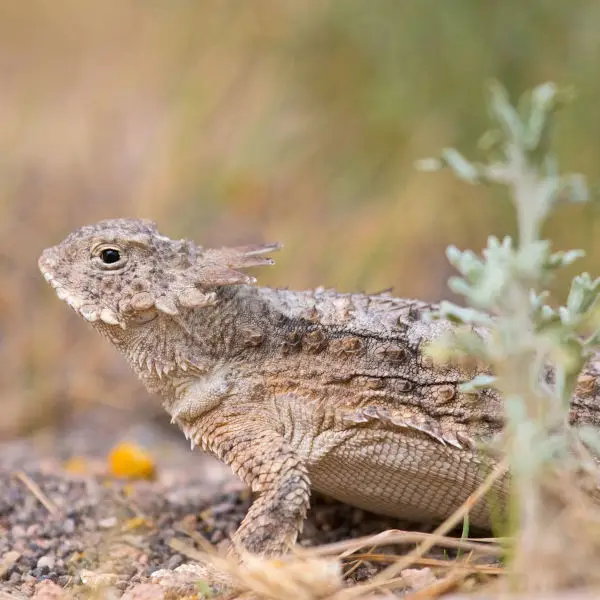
(35, 489)
(346, 548)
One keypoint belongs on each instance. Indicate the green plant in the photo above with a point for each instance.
(525, 338)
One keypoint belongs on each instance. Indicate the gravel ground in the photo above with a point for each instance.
(57, 527)
(104, 526)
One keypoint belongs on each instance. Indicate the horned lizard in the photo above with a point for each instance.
(292, 389)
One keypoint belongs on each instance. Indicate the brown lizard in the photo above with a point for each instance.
(293, 389)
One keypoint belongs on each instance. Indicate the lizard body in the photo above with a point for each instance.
(294, 390)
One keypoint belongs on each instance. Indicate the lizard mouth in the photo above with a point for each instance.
(47, 263)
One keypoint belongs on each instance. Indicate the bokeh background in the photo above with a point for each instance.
(234, 122)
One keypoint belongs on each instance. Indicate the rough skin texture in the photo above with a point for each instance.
(293, 390)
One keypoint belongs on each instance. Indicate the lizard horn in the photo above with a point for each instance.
(212, 268)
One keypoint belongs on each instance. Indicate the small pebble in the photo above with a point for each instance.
(14, 578)
(46, 562)
(9, 558)
(174, 561)
(108, 523)
(68, 526)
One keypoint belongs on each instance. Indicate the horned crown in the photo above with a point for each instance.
(120, 270)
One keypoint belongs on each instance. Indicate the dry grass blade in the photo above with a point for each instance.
(436, 589)
(398, 536)
(197, 537)
(358, 561)
(304, 578)
(274, 579)
(308, 574)
(35, 489)
(382, 579)
(189, 551)
(483, 569)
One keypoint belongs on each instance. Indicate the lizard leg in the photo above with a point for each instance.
(279, 477)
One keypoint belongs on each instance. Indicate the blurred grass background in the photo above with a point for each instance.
(236, 121)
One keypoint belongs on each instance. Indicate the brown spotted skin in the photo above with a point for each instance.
(293, 390)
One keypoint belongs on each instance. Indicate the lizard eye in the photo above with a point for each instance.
(110, 256)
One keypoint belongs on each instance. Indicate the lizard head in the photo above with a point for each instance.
(123, 271)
